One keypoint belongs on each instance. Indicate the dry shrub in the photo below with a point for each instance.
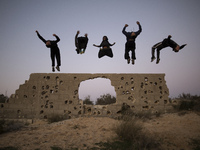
(55, 118)
(131, 131)
(188, 102)
(10, 125)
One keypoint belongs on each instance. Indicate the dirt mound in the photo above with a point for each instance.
(172, 130)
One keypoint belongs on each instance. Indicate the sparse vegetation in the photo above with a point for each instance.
(9, 148)
(128, 113)
(195, 143)
(3, 98)
(188, 102)
(55, 148)
(105, 99)
(55, 118)
(130, 131)
(8, 126)
(88, 101)
(116, 145)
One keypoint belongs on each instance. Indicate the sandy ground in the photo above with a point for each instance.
(172, 130)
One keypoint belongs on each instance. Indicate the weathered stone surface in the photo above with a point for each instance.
(44, 95)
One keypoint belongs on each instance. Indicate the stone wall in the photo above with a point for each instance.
(44, 95)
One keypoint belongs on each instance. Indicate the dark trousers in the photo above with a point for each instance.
(129, 46)
(55, 53)
(159, 46)
(105, 52)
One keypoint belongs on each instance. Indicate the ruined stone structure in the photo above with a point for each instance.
(44, 95)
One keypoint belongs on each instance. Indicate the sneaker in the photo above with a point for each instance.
(58, 68)
(133, 62)
(53, 69)
(152, 59)
(182, 46)
(158, 60)
(128, 61)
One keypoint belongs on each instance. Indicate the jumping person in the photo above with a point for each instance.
(81, 43)
(167, 42)
(105, 48)
(55, 52)
(130, 42)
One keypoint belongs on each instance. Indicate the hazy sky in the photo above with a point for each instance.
(22, 53)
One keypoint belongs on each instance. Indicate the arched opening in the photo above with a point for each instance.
(94, 88)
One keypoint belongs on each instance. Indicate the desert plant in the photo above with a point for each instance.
(8, 126)
(188, 102)
(128, 113)
(88, 101)
(3, 98)
(130, 131)
(55, 148)
(115, 145)
(195, 143)
(9, 148)
(55, 118)
(2, 124)
(105, 99)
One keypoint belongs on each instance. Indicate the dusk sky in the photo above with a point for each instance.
(23, 53)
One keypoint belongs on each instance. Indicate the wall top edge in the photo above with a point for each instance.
(98, 73)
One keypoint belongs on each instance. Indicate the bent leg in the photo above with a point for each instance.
(109, 53)
(159, 48)
(101, 53)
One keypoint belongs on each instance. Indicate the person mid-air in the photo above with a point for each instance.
(167, 42)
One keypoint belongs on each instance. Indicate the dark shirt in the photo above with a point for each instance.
(105, 44)
(82, 42)
(53, 45)
(128, 34)
(168, 42)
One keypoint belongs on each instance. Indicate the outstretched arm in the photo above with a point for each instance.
(40, 37)
(96, 45)
(112, 44)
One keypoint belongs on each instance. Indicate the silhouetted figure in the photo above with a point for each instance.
(130, 42)
(81, 43)
(167, 42)
(55, 52)
(105, 49)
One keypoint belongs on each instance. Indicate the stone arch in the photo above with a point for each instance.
(100, 84)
